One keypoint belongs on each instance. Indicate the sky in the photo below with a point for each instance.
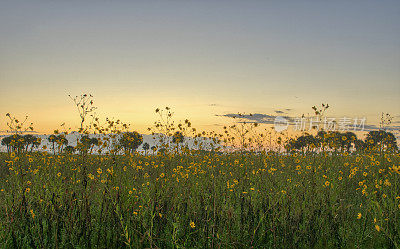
(204, 59)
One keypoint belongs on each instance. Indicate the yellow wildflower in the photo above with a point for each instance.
(32, 213)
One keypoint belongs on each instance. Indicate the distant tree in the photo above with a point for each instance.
(359, 145)
(61, 142)
(300, 143)
(162, 151)
(381, 140)
(130, 141)
(29, 140)
(334, 140)
(305, 143)
(57, 140)
(84, 144)
(93, 142)
(146, 147)
(348, 139)
(178, 137)
(6, 141)
(17, 143)
(53, 140)
(311, 142)
(292, 145)
(321, 139)
(36, 143)
(69, 149)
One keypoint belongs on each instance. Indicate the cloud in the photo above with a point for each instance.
(23, 132)
(375, 127)
(256, 117)
(396, 122)
(286, 110)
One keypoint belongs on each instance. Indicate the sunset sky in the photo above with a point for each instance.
(202, 58)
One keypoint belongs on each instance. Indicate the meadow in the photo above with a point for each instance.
(201, 200)
(177, 197)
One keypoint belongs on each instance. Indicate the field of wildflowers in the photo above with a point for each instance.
(180, 197)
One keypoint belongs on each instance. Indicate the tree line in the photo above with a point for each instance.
(128, 142)
(380, 140)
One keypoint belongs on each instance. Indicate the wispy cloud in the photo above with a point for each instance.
(24, 132)
(257, 117)
(281, 111)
